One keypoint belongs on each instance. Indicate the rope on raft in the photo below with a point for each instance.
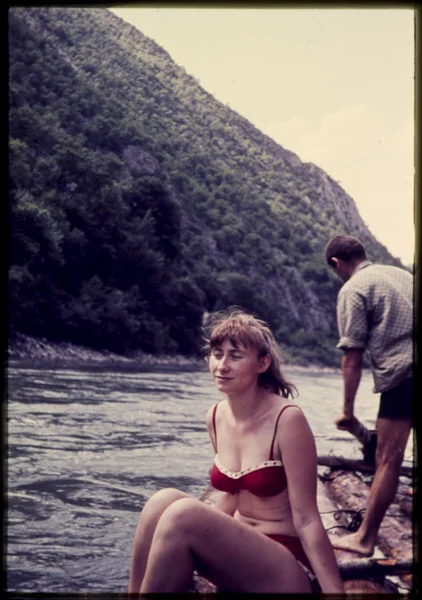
(356, 518)
(354, 523)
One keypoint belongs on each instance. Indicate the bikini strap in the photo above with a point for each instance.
(275, 428)
(213, 425)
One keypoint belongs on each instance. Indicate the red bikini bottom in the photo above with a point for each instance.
(294, 545)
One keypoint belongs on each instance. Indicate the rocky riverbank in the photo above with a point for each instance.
(27, 348)
(23, 347)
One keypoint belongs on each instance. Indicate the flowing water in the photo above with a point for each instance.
(86, 447)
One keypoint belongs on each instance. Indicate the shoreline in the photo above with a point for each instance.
(23, 348)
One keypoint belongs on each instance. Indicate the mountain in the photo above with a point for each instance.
(139, 203)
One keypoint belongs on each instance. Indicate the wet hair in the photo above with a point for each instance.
(345, 247)
(241, 328)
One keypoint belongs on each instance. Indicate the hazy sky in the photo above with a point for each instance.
(335, 86)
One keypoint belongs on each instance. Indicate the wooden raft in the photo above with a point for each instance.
(349, 492)
(351, 464)
(343, 492)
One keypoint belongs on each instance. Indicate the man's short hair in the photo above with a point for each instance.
(345, 247)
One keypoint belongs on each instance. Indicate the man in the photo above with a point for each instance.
(375, 312)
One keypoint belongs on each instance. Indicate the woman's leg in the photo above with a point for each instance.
(230, 554)
(148, 520)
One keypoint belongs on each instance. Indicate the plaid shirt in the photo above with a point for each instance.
(375, 312)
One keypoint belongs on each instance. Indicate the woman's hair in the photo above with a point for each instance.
(345, 247)
(241, 328)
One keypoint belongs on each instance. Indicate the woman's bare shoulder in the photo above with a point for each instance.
(286, 407)
(293, 420)
(294, 429)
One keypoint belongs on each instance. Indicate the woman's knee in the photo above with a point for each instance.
(161, 500)
(181, 516)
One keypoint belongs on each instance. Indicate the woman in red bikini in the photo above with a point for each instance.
(265, 534)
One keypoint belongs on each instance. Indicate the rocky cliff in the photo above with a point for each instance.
(139, 202)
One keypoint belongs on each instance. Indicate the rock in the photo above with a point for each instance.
(30, 348)
(40, 349)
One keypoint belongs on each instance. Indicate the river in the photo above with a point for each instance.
(87, 446)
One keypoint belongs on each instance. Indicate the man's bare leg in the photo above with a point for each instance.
(391, 444)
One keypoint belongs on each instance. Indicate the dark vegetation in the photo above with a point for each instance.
(138, 202)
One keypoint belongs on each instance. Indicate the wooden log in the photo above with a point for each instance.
(367, 582)
(404, 496)
(367, 586)
(374, 567)
(404, 499)
(395, 538)
(350, 464)
(331, 514)
(333, 519)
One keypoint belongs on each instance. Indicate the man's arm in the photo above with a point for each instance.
(351, 368)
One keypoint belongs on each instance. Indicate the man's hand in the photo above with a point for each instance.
(345, 421)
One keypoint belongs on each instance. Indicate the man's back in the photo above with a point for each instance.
(375, 311)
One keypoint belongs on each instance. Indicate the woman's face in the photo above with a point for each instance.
(235, 368)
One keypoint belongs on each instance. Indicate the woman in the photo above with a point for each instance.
(264, 534)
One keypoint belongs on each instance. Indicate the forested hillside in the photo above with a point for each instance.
(138, 202)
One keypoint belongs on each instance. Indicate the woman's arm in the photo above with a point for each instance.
(297, 446)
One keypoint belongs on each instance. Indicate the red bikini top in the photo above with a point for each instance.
(265, 479)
